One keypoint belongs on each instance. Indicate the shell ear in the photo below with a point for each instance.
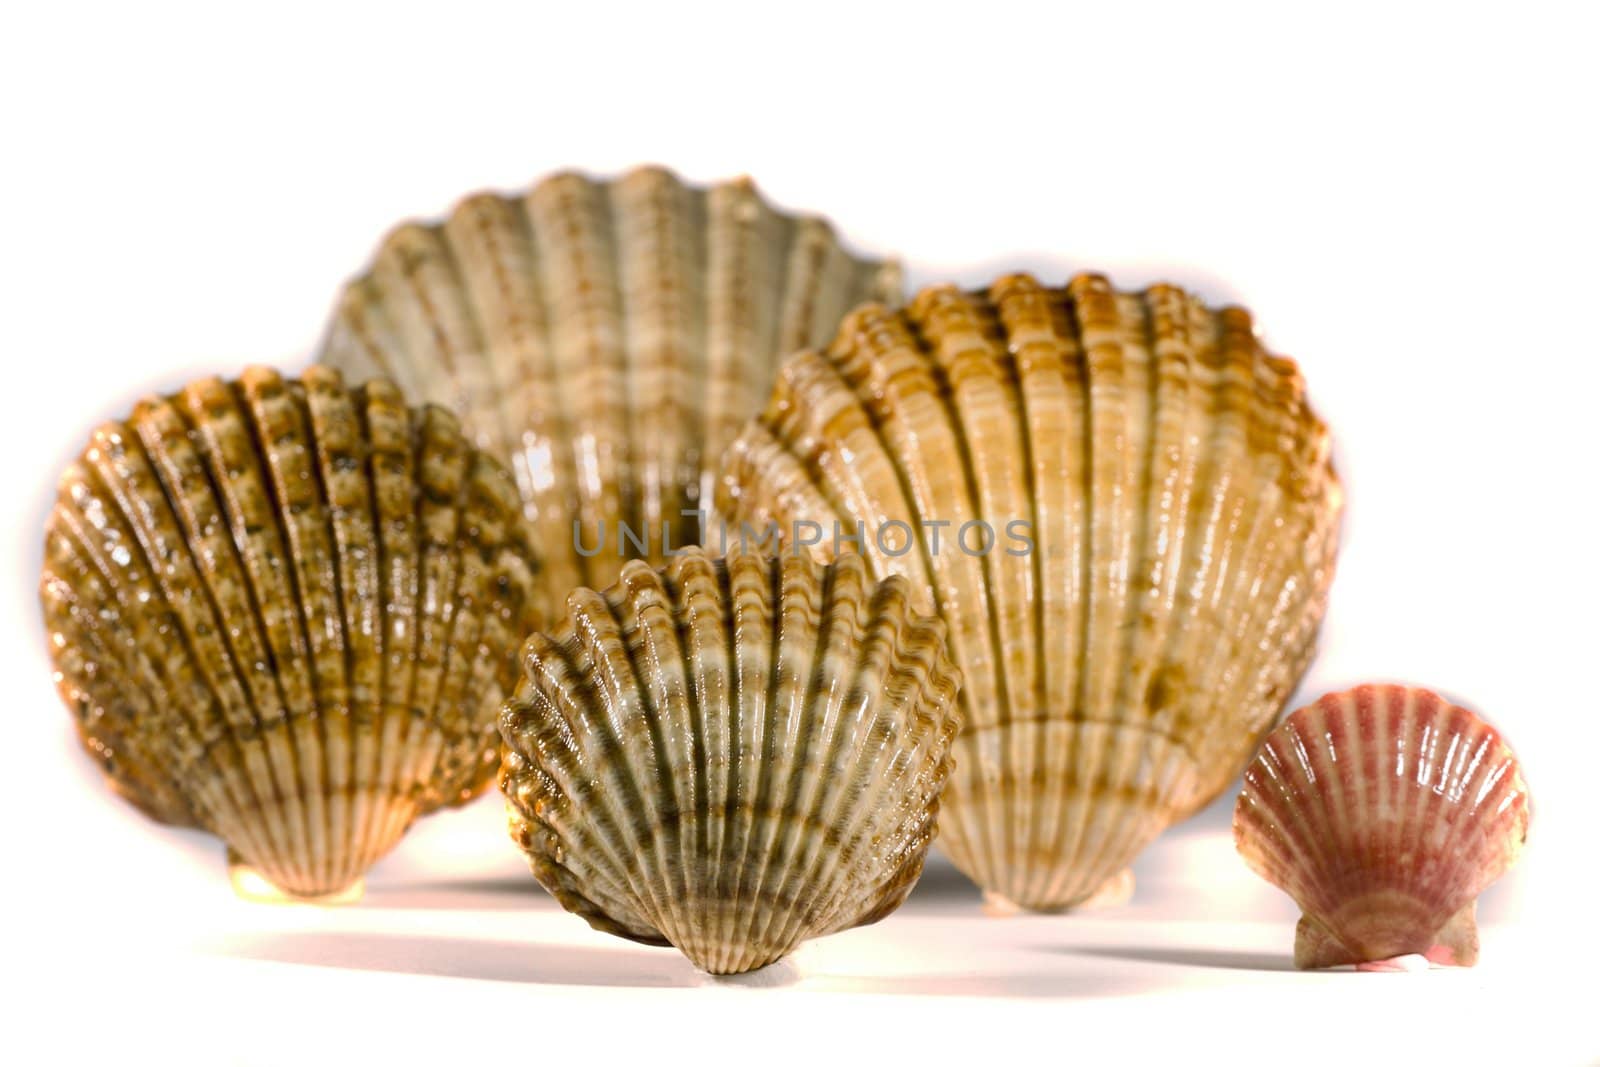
(1315, 947)
(1455, 944)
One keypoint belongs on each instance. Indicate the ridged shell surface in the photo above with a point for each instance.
(1127, 645)
(287, 612)
(607, 339)
(732, 755)
(1384, 811)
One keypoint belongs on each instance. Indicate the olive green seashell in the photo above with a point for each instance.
(1124, 649)
(286, 612)
(732, 755)
(606, 339)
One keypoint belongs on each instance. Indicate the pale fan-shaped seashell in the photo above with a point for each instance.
(732, 755)
(1384, 811)
(607, 339)
(1159, 517)
(287, 612)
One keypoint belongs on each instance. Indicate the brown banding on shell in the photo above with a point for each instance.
(286, 611)
(732, 755)
(1124, 657)
(604, 338)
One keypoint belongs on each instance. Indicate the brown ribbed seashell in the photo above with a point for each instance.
(1384, 811)
(607, 339)
(287, 612)
(732, 755)
(1126, 646)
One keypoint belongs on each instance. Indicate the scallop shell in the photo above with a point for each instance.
(1161, 524)
(732, 755)
(286, 612)
(606, 338)
(1384, 811)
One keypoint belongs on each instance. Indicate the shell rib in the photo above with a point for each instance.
(1125, 648)
(1384, 811)
(286, 612)
(607, 339)
(731, 756)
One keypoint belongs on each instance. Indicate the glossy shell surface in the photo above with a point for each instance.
(287, 611)
(1384, 811)
(732, 756)
(607, 339)
(1123, 509)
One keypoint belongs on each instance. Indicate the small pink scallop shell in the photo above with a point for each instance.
(1384, 811)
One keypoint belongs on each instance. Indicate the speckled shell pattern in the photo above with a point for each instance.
(607, 339)
(1384, 811)
(287, 612)
(732, 755)
(1126, 649)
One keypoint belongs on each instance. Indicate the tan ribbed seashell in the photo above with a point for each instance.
(606, 338)
(732, 755)
(1127, 645)
(287, 612)
(1384, 811)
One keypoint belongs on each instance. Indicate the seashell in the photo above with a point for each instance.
(731, 755)
(286, 612)
(1383, 811)
(1125, 513)
(607, 339)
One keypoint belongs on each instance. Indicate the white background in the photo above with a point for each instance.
(1405, 197)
